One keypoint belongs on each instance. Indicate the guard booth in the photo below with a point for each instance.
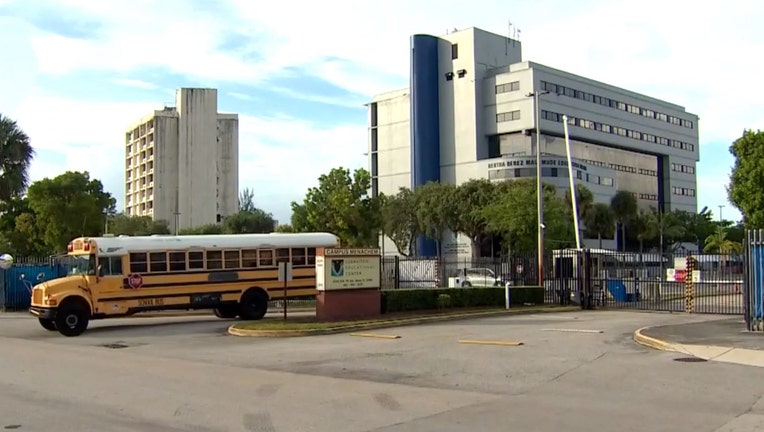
(573, 281)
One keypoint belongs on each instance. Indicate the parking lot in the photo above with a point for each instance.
(577, 371)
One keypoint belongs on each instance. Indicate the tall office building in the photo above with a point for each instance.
(469, 113)
(182, 162)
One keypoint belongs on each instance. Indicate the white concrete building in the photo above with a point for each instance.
(182, 162)
(469, 113)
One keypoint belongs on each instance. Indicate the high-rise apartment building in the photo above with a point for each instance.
(182, 162)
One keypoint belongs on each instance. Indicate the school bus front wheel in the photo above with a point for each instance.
(72, 317)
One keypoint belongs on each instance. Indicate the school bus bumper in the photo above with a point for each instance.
(41, 312)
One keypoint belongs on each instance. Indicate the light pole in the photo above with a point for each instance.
(721, 219)
(539, 187)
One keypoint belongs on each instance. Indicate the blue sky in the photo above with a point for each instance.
(76, 73)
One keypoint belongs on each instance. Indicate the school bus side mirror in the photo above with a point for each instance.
(99, 270)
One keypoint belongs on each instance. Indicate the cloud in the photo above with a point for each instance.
(704, 58)
(280, 157)
(135, 83)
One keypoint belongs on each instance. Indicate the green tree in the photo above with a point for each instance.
(601, 223)
(202, 230)
(584, 205)
(747, 178)
(16, 154)
(511, 216)
(668, 227)
(644, 227)
(69, 206)
(719, 243)
(341, 205)
(399, 220)
(470, 199)
(435, 211)
(249, 222)
(121, 224)
(20, 235)
(697, 226)
(299, 218)
(284, 228)
(624, 206)
(247, 200)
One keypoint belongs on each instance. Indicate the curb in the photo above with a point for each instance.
(654, 343)
(232, 330)
(207, 312)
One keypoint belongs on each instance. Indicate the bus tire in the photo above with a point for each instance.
(253, 304)
(72, 317)
(47, 324)
(227, 311)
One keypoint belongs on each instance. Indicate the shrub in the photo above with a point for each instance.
(429, 299)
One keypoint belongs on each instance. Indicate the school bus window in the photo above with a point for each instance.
(158, 261)
(311, 256)
(177, 261)
(249, 258)
(196, 260)
(266, 258)
(282, 255)
(231, 259)
(298, 257)
(138, 263)
(111, 266)
(214, 260)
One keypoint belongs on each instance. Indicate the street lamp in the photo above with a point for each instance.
(539, 188)
(721, 219)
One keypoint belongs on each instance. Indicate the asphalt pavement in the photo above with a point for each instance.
(578, 371)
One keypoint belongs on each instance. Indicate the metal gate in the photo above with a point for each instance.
(702, 283)
(753, 290)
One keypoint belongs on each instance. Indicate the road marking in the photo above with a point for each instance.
(488, 342)
(575, 330)
(374, 335)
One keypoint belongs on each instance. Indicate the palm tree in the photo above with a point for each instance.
(584, 204)
(624, 205)
(645, 228)
(601, 222)
(668, 225)
(16, 154)
(718, 242)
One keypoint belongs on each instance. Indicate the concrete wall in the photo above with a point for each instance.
(166, 169)
(197, 133)
(228, 164)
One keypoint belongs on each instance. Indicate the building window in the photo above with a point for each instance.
(605, 128)
(634, 109)
(508, 116)
(454, 51)
(509, 87)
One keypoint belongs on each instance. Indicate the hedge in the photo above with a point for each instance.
(430, 299)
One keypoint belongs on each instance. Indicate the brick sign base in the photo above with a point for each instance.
(344, 305)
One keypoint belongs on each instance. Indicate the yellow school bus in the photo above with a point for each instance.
(235, 275)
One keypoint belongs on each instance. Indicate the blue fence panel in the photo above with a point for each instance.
(754, 282)
(17, 291)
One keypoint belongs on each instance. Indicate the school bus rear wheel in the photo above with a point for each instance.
(227, 311)
(253, 304)
(72, 318)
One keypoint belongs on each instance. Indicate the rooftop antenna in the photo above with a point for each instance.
(509, 36)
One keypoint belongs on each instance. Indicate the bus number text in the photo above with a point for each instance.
(151, 302)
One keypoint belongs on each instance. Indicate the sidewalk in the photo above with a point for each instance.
(724, 340)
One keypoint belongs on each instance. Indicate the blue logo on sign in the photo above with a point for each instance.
(338, 267)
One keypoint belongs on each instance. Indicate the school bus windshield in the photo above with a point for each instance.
(82, 264)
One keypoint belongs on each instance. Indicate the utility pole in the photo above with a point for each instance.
(539, 187)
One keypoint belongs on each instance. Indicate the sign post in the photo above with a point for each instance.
(285, 276)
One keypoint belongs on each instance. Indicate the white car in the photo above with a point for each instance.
(480, 277)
